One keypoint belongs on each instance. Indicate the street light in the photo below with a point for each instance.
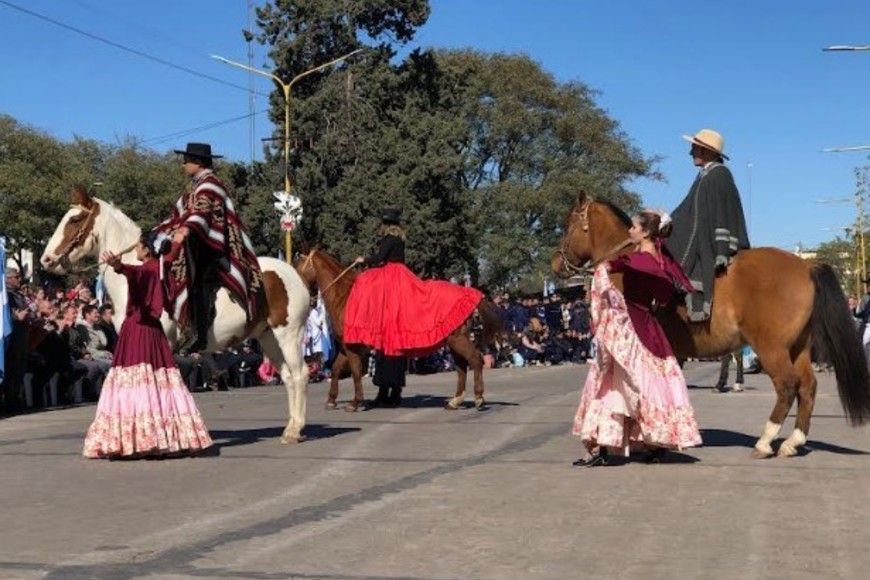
(846, 48)
(288, 202)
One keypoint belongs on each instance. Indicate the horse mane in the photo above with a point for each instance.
(123, 219)
(338, 290)
(617, 211)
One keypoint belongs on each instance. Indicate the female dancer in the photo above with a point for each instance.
(635, 392)
(397, 313)
(145, 408)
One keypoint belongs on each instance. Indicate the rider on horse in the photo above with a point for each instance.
(218, 253)
(709, 226)
(397, 313)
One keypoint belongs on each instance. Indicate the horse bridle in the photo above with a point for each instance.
(583, 217)
(308, 259)
(76, 239)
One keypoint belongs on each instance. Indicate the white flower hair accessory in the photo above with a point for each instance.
(664, 219)
(158, 242)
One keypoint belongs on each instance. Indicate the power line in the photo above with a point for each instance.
(168, 137)
(124, 48)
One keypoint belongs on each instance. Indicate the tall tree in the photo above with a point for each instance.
(532, 145)
(368, 135)
(841, 255)
(36, 171)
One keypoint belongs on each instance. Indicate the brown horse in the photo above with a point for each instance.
(774, 301)
(335, 283)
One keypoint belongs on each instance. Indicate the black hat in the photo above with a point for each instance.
(199, 151)
(391, 216)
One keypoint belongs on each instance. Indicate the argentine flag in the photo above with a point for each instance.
(5, 313)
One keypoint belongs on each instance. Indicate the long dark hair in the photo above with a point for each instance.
(651, 222)
(156, 243)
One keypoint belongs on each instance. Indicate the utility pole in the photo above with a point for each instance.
(252, 95)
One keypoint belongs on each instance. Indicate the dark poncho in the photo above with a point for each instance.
(709, 229)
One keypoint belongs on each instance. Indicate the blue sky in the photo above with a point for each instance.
(754, 71)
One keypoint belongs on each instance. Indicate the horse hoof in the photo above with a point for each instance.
(786, 451)
(451, 406)
(758, 454)
(289, 439)
(331, 406)
(480, 404)
(351, 408)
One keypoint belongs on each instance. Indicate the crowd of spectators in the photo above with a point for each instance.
(67, 335)
(541, 331)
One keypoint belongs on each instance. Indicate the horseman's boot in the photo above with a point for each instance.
(203, 311)
(383, 399)
(395, 397)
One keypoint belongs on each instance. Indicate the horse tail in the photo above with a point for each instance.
(493, 328)
(836, 337)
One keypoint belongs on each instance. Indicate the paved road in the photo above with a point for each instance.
(423, 493)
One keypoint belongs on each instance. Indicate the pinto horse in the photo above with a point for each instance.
(93, 226)
(335, 283)
(774, 301)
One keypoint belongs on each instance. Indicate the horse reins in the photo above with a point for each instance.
(583, 214)
(77, 238)
(119, 254)
(308, 259)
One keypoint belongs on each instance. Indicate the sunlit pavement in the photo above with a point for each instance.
(419, 492)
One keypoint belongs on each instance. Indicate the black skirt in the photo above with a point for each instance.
(390, 370)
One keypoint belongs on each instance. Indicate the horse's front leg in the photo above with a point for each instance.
(280, 344)
(338, 368)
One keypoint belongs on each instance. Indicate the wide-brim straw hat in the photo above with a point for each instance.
(708, 139)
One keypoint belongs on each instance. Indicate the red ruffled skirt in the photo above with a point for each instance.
(394, 311)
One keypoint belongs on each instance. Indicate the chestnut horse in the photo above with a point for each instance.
(774, 301)
(335, 283)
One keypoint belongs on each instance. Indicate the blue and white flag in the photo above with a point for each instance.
(5, 313)
(100, 289)
(328, 347)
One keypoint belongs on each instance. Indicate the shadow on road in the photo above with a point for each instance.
(227, 438)
(426, 401)
(711, 387)
(725, 438)
(821, 446)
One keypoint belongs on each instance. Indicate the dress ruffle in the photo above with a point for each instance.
(630, 395)
(394, 311)
(145, 411)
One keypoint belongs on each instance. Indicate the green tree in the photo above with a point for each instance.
(35, 175)
(370, 135)
(143, 183)
(840, 253)
(532, 144)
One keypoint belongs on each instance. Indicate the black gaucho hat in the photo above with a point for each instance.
(391, 216)
(199, 151)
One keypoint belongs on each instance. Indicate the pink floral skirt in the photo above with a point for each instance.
(631, 397)
(145, 411)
